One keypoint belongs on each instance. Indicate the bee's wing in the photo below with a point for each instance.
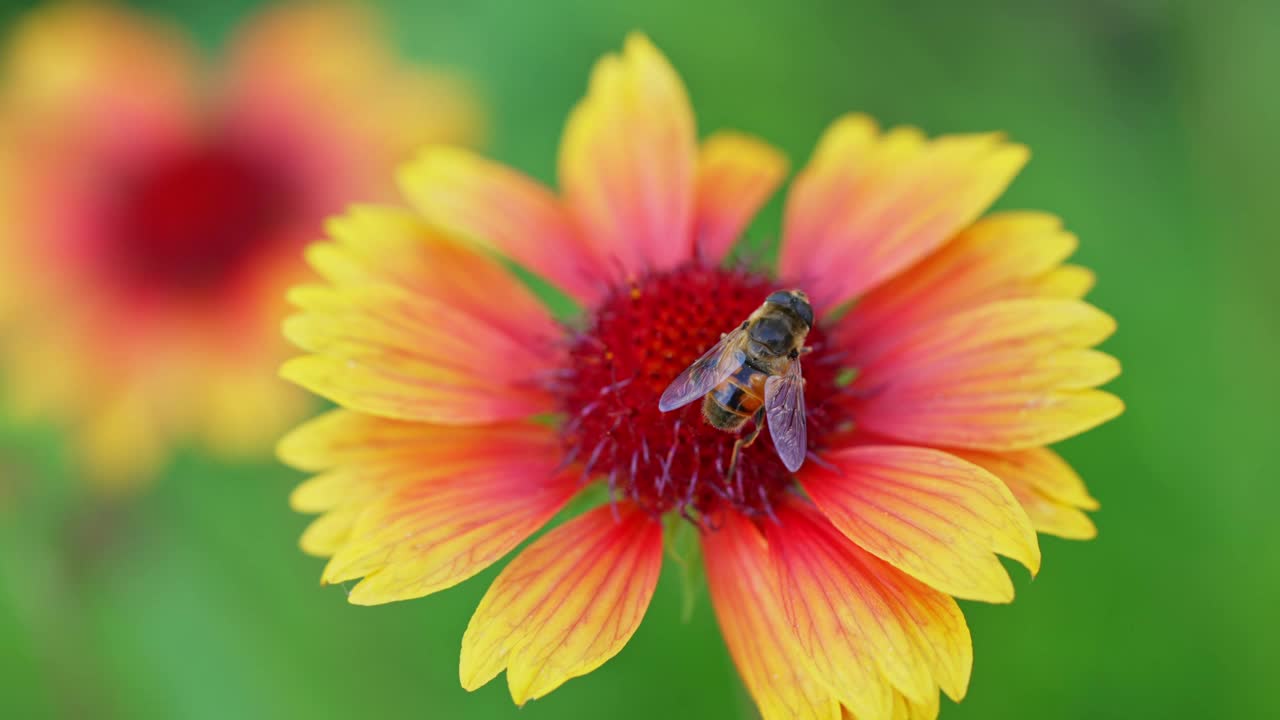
(705, 373)
(784, 406)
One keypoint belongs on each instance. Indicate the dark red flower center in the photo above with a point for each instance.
(635, 343)
(191, 221)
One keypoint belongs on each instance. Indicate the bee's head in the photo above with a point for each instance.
(796, 301)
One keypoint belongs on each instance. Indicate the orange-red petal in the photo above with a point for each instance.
(367, 444)
(1051, 492)
(415, 508)
(870, 629)
(928, 513)
(1004, 255)
(361, 458)
(566, 604)
(375, 245)
(774, 666)
(873, 203)
(1004, 376)
(418, 328)
(737, 174)
(344, 437)
(386, 351)
(502, 209)
(627, 161)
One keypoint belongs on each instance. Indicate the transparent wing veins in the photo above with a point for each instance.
(705, 373)
(784, 407)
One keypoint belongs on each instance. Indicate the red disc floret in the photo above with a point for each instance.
(636, 341)
(190, 221)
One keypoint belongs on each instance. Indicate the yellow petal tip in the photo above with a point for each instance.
(637, 38)
(470, 675)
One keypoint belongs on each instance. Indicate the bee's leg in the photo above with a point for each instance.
(758, 421)
(745, 441)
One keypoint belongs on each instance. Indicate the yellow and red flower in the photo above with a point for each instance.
(950, 350)
(154, 216)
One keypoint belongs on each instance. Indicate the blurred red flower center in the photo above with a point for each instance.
(638, 340)
(192, 221)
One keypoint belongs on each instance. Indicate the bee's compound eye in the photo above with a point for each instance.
(804, 310)
(782, 297)
(796, 301)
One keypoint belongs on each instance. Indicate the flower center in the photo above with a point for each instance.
(636, 342)
(192, 221)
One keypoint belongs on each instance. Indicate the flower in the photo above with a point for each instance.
(950, 349)
(153, 219)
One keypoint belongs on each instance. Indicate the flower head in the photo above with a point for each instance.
(154, 216)
(948, 350)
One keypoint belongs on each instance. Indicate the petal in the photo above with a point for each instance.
(383, 245)
(1004, 376)
(869, 628)
(906, 709)
(1050, 491)
(773, 665)
(930, 514)
(96, 75)
(335, 59)
(1068, 282)
(869, 205)
(43, 377)
(225, 396)
(566, 604)
(328, 533)
(122, 444)
(347, 438)
(438, 506)
(1002, 256)
(382, 350)
(506, 211)
(358, 321)
(737, 174)
(322, 82)
(361, 458)
(328, 490)
(627, 161)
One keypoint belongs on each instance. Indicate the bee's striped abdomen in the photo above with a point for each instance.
(736, 399)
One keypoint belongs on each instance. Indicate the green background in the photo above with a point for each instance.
(1152, 128)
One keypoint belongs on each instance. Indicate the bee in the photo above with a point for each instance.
(752, 373)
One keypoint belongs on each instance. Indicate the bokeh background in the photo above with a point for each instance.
(1152, 126)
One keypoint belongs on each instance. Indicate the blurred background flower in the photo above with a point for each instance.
(1151, 122)
(156, 208)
